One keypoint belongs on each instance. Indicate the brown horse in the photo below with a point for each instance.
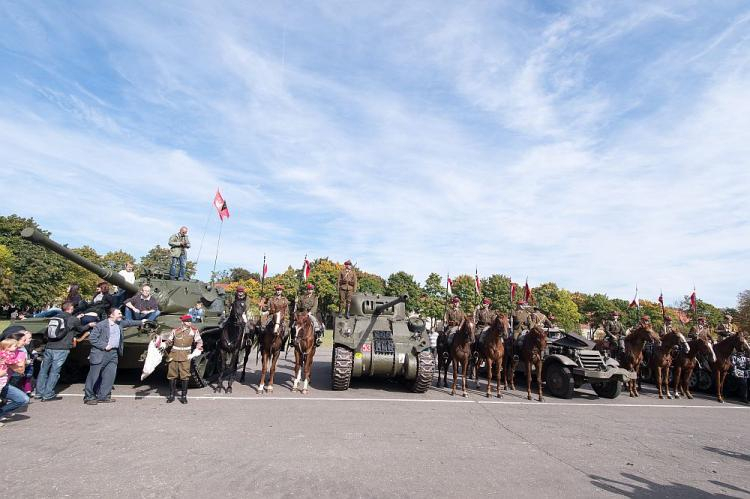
(269, 347)
(510, 362)
(304, 350)
(444, 356)
(685, 362)
(460, 352)
(723, 363)
(662, 359)
(632, 356)
(491, 349)
(532, 354)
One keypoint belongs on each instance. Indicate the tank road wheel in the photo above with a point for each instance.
(559, 381)
(425, 369)
(608, 390)
(201, 370)
(341, 370)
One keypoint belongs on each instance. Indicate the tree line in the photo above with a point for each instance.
(31, 276)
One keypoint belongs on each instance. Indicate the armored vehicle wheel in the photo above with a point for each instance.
(705, 380)
(559, 381)
(609, 390)
(425, 369)
(341, 369)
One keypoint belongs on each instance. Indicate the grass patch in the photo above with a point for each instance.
(4, 324)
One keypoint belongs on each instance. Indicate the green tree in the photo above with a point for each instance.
(158, 259)
(597, 307)
(463, 287)
(6, 273)
(714, 315)
(558, 302)
(401, 283)
(743, 311)
(369, 283)
(497, 288)
(434, 303)
(324, 276)
(116, 260)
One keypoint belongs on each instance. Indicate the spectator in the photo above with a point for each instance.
(56, 352)
(197, 312)
(178, 244)
(129, 276)
(10, 362)
(433, 343)
(23, 379)
(106, 349)
(74, 295)
(100, 303)
(142, 306)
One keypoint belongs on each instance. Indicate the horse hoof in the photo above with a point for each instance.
(528, 397)
(464, 394)
(541, 400)
(453, 393)
(228, 389)
(661, 397)
(489, 395)
(690, 397)
(670, 397)
(259, 391)
(304, 392)
(721, 401)
(676, 396)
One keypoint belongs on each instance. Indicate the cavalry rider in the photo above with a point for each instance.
(667, 326)
(538, 317)
(347, 286)
(179, 346)
(726, 328)
(277, 308)
(308, 303)
(699, 329)
(484, 316)
(522, 318)
(454, 316)
(614, 331)
(551, 322)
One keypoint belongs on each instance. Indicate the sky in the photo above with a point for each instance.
(599, 145)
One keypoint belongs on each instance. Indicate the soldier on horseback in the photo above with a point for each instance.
(308, 303)
(484, 316)
(614, 331)
(699, 329)
(523, 318)
(278, 310)
(454, 316)
(239, 309)
(726, 328)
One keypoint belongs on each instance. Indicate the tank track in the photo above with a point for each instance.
(341, 369)
(425, 370)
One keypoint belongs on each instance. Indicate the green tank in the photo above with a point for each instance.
(378, 340)
(175, 298)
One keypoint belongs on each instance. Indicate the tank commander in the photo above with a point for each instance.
(347, 285)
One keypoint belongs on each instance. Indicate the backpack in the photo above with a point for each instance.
(56, 329)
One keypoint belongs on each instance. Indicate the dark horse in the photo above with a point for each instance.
(444, 356)
(231, 341)
(685, 362)
(661, 360)
(532, 354)
(632, 356)
(460, 352)
(304, 351)
(270, 342)
(490, 348)
(723, 363)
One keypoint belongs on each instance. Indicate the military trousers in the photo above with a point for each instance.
(178, 369)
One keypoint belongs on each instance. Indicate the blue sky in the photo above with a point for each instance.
(596, 144)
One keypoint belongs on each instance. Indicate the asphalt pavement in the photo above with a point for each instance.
(374, 440)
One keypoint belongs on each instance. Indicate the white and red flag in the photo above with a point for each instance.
(477, 282)
(305, 269)
(694, 301)
(661, 302)
(221, 206)
(512, 292)
(635, 303)
(265, 269)
(528, 297)
(449, 286)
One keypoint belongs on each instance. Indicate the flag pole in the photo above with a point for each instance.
(263, 276)
(205, 229)
(218, 243)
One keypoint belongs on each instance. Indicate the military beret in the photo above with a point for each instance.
(456, 299)
(240, 289)
(348, 262)
(186, 318)
(487, 300)
(667, 319)
(310, 286)
(278, 287)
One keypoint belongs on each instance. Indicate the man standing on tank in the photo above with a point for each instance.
(347, 286)
(178, 245)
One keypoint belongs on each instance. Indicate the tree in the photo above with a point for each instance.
(743, 310)
(6, 273)
(240, 274)
(324, 276)
(369, 283)
(116, 260)
(401, 283)
(597, 307)
(714, 315)
(463, 287)
(159, 260)
(558, 302)
(497, 288)
(434, 303)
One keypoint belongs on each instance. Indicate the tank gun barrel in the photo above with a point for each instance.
(400, 299)
(35, 236)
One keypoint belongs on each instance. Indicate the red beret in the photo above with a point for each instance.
(310, 286)
(456, 299)
(186, 318)
(278, 286)
(520, 302)
(348, 262)
(486, 300)
(240, 289)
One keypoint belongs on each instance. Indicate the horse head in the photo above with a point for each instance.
(538, 336)
(670, 340)
(500, 324)
(303, 323)
(702, 346)
(644, 333)
(468, 328)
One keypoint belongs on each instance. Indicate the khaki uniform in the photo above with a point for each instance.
(280, 305)
(522, 320)
(699, 330)
(484, 318)
(539, 318)
(726, 329)
(180, 344)
(347, 286)
(454, 317)
(615, 329)
(308, 303)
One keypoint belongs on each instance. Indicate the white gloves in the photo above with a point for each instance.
(194, 354)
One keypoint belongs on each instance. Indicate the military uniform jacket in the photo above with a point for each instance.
(308, 303)
(278, 304)
(485, 317)
(178, 244)
(726, 329)
(348, 280)
(454, 317)
(180, 343)
(539, 319)
(613, 328)
(522, 319)
(696, 331)
(238, 308)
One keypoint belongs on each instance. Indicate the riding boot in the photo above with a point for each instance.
(347, 310)
(183, 398)
(172, 390)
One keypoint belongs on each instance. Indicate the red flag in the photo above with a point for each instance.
(265, 269)
(694, 301)
(661, 301)
(221, 206)
(477, 282)
(449, 286)
(635, 303)
(305, 269)
(527, 296)
(512, 292)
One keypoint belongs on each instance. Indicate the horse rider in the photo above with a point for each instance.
(239, 310)
(726, 328)
(347, 285)
(180, 351)
(308, 303)
(699, 329)
(277, 308)
(454, 316)
(667, 328)
(614, 331)
(551, 322)
(539, 317)
(484, 316)
(522, 318)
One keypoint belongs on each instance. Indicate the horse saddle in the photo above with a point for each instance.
(518, 343)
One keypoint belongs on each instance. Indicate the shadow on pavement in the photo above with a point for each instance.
(640, 487)
(728, 453)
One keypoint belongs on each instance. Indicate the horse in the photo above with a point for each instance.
(443, 353)
(532, 353)
(231, 341)
(252, 332)
(632, 355)
(490, 348)
(270, 342)
(661, 360)
(510, 361)
(304, 350)
(723, 363)
(460, 352)
(685, 362)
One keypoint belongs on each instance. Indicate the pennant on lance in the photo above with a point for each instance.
(305, 269)
(221, 206)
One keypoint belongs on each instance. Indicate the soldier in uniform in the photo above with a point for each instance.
(347, 286)
(522, 318)
(699, 329)
(667, 328)
(308, 303)
(538, 317)
(239, 310)
(454, 316)
(277, 308)
(551, 322)
(484, 316)
(726, 328)
(614, 331)
(179, 345)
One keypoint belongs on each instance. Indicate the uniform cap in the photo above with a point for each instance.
(348, 262)
(520, 302)
(615, 314)
(645, 318)
(667, 319)
(186, 318)
(240, 289)
(456, 299)
(278, 287)
(728, 316)
(310, 286)
(487, 301)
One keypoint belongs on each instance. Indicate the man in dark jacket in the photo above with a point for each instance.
(106, 348)
(56, 352)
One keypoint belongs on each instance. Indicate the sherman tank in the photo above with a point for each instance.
(175, 298)
(378, 340)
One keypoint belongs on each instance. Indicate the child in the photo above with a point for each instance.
(8, 357)
(23, 381)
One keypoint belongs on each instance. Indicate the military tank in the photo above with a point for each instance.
(378, 340)
(175, 298)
